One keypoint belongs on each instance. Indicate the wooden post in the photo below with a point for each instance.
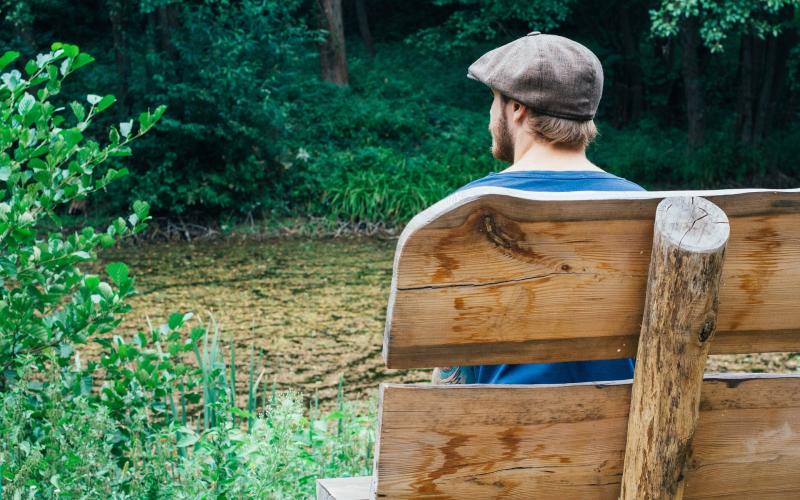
(679, 321)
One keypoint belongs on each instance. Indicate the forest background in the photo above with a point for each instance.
(360, 110)
(356, 113)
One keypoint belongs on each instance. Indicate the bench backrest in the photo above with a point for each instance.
(492, 275)
(569, 441)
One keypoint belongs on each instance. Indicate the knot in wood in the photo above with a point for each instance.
(494, 233)
(707, 330)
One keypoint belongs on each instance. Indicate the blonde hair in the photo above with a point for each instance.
(570, 134)
(560, 131)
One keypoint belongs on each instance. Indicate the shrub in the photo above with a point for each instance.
(139, 420)
(226, 84)
(46, 303)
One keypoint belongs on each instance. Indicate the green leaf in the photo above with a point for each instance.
(118, 272)
(158, 113)
(37, 164)
(26, 104)
(175, 321)
(43, 59)
(11, 79)
(107, 241)
(125, 128)
(78, 110)
(145, 120)
(141, 209)
(105, 290)
(187, 440)
(5, 173)
(7, 58)
(71, 136)
(30, 67)
(81, 255)
(70, 50)
(105, 102)
(92, 281)
(81, 61)
(123, 151)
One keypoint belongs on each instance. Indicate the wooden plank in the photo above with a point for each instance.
(568, 441)
(344, 488)
(680, 315)
(494, 275)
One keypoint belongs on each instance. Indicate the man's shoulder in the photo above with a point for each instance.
(556, 181)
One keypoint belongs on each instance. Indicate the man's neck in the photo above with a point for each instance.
(534, 155)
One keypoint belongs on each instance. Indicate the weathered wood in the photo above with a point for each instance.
(568, 441)
(494, 275)
(680, 317)
(344, 488)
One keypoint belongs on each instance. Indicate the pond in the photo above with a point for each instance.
(314, 309)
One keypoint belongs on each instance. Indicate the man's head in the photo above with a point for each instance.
(545, 86)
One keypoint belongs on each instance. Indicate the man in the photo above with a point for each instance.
(546, 92)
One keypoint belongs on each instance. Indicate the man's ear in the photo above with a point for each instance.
(519, 112)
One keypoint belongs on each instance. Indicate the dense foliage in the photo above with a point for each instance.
(698, 94)
(140, 419)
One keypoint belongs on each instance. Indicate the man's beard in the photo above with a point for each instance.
(502, 142)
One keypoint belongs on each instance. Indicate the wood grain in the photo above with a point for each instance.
(680, 315)
(568, 441)
(494, 275)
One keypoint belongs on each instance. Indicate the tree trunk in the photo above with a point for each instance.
(632, 69)
(744, 125)
(166, 24)
(333, 56)
(689, 240)
(117, 13)
(693, 86)
(363, 27)
(783, 100)
(764, 110)
(151, 50)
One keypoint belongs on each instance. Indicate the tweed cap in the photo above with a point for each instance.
(550, 74)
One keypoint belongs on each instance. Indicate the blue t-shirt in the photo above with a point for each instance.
(549, 373)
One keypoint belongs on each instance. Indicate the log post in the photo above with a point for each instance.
(679, 321)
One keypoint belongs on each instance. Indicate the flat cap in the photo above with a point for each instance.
(550, 74)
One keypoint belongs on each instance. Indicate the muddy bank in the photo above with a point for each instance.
(313, 308)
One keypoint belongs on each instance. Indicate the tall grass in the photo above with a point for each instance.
(162, 428)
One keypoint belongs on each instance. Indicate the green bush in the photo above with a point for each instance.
(139, 419)
(227, 84)
(162, 428)
(388, 146)
(46, 303)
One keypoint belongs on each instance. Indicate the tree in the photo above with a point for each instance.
(363, 27)
(712, 22)
(118, 15)
(692, 84)
(332, 52)
(478, 20)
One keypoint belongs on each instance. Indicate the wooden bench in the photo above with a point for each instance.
(492, 275)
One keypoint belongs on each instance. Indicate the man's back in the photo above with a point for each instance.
(547, 373)
(546, 91)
